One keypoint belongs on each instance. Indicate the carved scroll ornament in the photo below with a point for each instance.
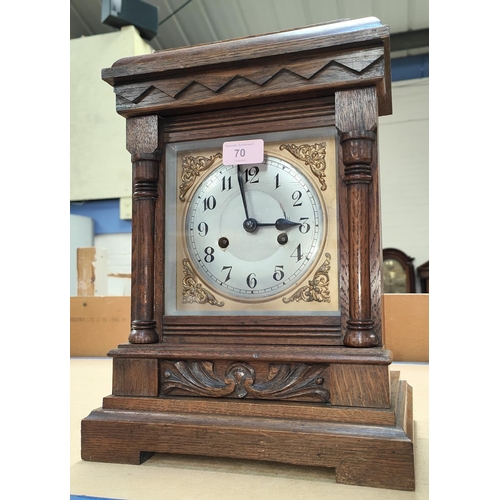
(192, 166)
(193, 291)
(313, 155)
(317, 288)
(301, 382)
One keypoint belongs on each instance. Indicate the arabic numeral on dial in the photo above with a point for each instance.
(209, 255)
(304, 227)
(297, 253)
(278, 273)
(296, 196)
(277, 179)
(227, 183)
(229, 269)
(202, 229)
(209, 203)
(252, 280)
(251, 175)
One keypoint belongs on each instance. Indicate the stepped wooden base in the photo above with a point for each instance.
(366, 446)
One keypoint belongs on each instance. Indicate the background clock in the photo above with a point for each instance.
(398, 271)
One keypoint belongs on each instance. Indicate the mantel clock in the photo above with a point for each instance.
(256, 300)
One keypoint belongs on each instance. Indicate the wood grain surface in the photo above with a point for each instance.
(308, 390)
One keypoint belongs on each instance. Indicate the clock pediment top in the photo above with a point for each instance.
(262, 75)
(309, 40)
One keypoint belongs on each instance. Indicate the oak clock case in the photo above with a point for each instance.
(250, 239)
(256, 304)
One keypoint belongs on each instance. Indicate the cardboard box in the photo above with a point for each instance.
(406, 326)
(98, 324)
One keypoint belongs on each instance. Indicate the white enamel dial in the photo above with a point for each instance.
(253, 231)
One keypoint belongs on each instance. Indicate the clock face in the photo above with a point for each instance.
(253, 231)
(394, 277)
(252, 239)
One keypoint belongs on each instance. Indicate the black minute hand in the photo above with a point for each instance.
(249, 224)
(242, 191)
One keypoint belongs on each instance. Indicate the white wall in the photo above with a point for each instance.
(119, 247)
(100, 164)
(404, 171)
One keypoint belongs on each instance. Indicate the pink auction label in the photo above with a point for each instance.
(243, 152)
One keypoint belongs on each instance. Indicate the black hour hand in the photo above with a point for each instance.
(280, 224)
(283, 224)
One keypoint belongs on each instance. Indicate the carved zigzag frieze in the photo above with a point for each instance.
(360, 61)
(266, 75)
(134, 94)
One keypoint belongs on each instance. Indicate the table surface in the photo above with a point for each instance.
(167, 476)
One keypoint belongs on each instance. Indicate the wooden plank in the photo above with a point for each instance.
(92, 271)
(135, 377)
(289, 410)
(365, 455)
(326, 354)
(320, 37)
(363, 386)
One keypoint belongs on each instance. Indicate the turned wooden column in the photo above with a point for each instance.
(143, 145)
(356, 118)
